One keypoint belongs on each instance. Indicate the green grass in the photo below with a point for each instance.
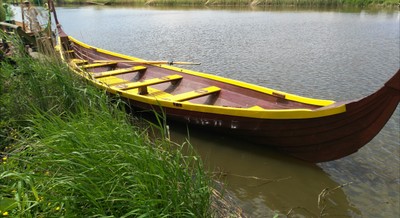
(90, 165)
(66, 151)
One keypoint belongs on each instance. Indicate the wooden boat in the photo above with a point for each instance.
(310, 129)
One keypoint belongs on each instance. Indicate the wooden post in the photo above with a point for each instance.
(23, 16)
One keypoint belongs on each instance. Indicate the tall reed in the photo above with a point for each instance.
(67, 152)
(90, 165)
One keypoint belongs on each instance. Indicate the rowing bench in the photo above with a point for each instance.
(119, 71)
(142, 86)
(107, 64)
(79, 62)
(194, 94)
(84, 64)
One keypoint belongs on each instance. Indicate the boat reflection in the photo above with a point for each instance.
(266, 182)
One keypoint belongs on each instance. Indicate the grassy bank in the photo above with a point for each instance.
(65, 151)
(297, 3)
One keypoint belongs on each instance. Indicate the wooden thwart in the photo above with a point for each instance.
(195, 94)
(143, 84)
(107, 64)
(112, 80)
(119, 71)
(79, 61)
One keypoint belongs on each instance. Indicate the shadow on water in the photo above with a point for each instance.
(264, 181)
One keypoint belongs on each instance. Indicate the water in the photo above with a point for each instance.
(329, 54)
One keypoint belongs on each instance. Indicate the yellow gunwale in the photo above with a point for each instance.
(231, 111)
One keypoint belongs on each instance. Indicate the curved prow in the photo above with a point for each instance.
(394, 82)
(52, 8)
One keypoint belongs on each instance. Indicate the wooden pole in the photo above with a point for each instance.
(149, 62)
(23, 16)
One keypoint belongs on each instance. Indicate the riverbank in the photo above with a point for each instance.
(292, 3)
(66, 150)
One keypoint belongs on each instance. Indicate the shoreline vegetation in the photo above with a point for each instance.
(68, 149)
(261, 3)
(272, 3)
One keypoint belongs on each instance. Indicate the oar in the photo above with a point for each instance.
(149, 62)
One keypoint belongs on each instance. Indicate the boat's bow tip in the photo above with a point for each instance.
(394, 82)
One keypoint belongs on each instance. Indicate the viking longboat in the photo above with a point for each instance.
(310, 129)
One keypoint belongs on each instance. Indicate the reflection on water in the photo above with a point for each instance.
(374, 171)
(330, 54)
(265, 179)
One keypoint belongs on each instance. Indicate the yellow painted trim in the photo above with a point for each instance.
(251, 112)
(288, 96)
(256, 107)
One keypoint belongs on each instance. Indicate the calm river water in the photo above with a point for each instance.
(332, 54)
